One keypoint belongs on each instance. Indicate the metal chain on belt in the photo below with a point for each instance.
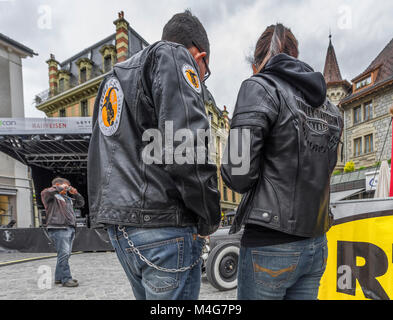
(151, 264)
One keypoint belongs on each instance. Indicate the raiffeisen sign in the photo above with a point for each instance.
(27, 126)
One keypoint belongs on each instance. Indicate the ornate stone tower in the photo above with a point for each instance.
(337, 88)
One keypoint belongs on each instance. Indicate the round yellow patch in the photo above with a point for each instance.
(109, 110)
(192, 77)
(111, 104)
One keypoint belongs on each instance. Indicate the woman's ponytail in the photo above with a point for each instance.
(276, 39)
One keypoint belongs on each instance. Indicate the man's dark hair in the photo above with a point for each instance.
(60, 180)
(184, 28)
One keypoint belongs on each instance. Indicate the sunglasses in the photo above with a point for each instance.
(208, 73)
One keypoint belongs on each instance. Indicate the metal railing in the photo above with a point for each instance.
(42, 97)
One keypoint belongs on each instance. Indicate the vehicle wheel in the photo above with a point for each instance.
(221, 268)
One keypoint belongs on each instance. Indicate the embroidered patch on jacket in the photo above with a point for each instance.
(111, 105)
(192, 77)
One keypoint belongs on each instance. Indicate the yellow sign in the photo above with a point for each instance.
(360, 262)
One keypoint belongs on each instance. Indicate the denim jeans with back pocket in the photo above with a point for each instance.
(169, 248)
(290, 271)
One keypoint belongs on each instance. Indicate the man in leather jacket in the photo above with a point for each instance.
(59, 201)
(156, 213)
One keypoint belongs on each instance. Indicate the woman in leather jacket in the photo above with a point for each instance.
(282, 117)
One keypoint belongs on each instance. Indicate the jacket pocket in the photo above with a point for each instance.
(56, 217)
(260, 215)
(242, 211)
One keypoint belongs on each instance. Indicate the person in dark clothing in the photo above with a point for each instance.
(59, 201)
(292, 133)
(156, 213)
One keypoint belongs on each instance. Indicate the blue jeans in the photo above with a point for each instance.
(171, 248)
(62, 239)
(290, 271)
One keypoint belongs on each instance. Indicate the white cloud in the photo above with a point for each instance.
(233, 28)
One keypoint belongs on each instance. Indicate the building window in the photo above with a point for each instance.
(357, 115)
(363, 83)
(210, 116)
(357, 151)
(368, 143)
(225, 193)
(233, 196)
(5, 210)
(83, 75)
(107, 63)
(218, 148)
(61, 85)
(62, 113)
(368, 111)
(84, 109)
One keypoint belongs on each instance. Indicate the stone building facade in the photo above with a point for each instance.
(368, 134)
(15, 181)
(73, 84)
(365, 104)
(220, 125)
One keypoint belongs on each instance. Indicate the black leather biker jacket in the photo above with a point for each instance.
(157, 85)
(294, 137)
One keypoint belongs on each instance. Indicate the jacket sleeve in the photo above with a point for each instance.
(48, 194)
(255, 114)
(180, 105)
(79, 201)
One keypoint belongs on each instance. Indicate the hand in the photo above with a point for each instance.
(203, 237)
(73, 190)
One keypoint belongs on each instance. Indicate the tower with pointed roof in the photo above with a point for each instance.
(337, 88)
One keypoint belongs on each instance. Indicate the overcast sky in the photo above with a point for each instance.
(360, 29)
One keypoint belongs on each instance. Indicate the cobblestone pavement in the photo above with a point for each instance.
(100, 276)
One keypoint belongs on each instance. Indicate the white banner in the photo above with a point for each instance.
(27, 126)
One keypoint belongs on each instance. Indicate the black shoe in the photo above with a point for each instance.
(71, 284)
(59, 281)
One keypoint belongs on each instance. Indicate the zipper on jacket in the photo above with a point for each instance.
(290, 220)
(144, 188)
